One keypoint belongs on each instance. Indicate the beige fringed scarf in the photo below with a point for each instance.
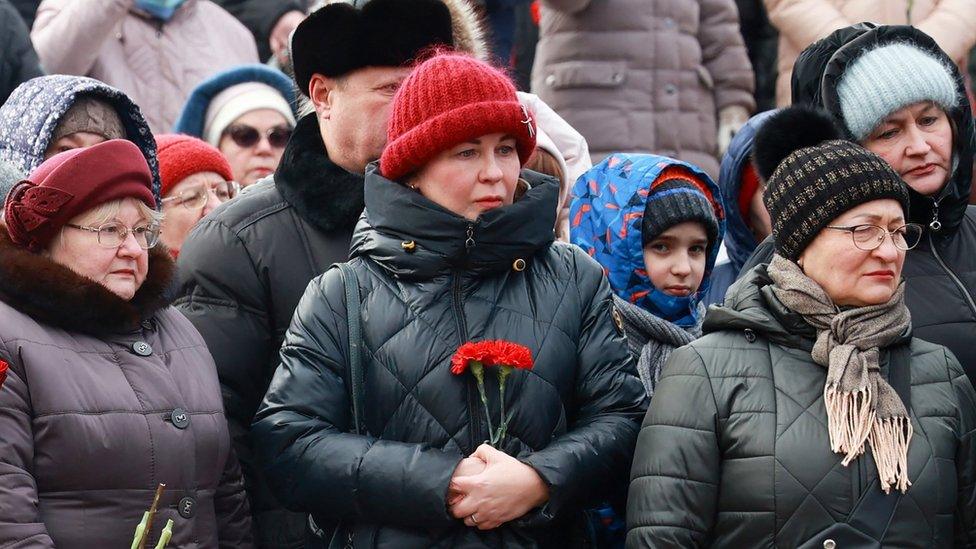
(861, 405)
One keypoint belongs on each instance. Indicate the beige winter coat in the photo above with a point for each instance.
(640, 76)
(952, 23)
(156, 64)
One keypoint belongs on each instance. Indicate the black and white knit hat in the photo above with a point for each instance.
(812, 176)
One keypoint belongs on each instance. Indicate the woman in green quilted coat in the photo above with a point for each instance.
(808, 416)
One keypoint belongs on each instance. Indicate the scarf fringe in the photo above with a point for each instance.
(889, 443)
(850, 416)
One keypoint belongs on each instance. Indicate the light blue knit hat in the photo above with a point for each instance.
(888, 78)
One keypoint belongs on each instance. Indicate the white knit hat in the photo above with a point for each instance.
(236, 100)
(888, 78)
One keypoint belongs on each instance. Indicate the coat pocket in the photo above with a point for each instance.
(586, 74)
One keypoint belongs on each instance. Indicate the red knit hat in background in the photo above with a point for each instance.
(450, 99)
(181, 156)
(71, 183)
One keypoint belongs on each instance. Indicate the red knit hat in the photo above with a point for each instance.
(181, 156)
(71, 183)
(450, 99)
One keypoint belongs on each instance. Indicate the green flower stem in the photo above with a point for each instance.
(503, 373)
(478, 371)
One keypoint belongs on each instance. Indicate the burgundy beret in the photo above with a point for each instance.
(71, 183)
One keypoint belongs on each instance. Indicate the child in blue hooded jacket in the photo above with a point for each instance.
(655, 224)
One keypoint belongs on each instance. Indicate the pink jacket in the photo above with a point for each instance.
(952, 23)
(156, 64)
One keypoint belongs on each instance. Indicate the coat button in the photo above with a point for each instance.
(141, 348)
(408, 246)
(180, 419)
(670, 89)
(830, 544)
(186, 507)
(750, 335)
(518, 265)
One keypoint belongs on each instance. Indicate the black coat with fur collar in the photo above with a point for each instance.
(243, 270)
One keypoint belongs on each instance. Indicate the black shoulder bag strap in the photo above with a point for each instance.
(355, 373)
(333, 535)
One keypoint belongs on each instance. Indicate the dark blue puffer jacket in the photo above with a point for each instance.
(739, 240)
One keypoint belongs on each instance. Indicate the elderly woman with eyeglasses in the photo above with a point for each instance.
(108, 391)
(195, 179)
(247, 112)
(808, 416)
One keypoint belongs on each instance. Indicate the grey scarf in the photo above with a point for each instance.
(861, 406)
(651, 339)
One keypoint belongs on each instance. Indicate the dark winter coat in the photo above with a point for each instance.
(739, 241)
(260, 17)
(18, 60)
(941, 272)
(104, 400)
(575, 415)
(244, 268)
(734, 451)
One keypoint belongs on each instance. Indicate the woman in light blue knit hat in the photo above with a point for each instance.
(896, 93)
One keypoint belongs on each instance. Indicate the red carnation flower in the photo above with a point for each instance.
(3, 372)
(506, 353)
(470, 351)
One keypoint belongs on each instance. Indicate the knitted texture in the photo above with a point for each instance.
(450, 99)
(813, 185)
(9, 176)
(181, 156)
(888, 78)
(71, 183)
(677, 196)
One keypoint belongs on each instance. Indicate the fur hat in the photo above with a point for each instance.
(813, 175)
(71, 183)
(339, 38)
(181, 156)
(447, 100)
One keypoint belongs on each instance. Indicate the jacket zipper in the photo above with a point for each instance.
(936, 225)
(478, 428)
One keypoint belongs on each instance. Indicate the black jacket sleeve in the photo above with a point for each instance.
(302, 433)
(610, 400)
(222, 295)
(260, 17)
(674, 493)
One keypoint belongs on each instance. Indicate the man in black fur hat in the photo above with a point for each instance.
(244, 268)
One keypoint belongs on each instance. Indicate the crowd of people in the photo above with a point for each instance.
(322, 276)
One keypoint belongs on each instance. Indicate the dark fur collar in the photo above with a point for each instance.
(53, 294)
(321, 192)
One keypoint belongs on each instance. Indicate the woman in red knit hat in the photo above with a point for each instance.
(455, 246)
(196, 178)
(109, 391)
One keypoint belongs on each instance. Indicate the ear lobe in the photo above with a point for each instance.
(320, 89)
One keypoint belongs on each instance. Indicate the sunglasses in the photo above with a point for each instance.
(248, 136)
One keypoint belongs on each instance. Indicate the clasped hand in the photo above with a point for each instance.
(490, 488)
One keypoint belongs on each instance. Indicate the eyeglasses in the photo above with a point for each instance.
(195, 198)
(248, 136)
(113, 234)
(870, 237)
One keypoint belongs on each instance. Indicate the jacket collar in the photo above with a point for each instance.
(52, 294)
(321, 192)
(412, 237)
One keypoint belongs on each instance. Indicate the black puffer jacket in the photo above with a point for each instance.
(575, 414)
(18, 60)
(243, 270)
(734, 451)
(941, 271)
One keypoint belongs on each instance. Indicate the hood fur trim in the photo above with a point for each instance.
(52, 294)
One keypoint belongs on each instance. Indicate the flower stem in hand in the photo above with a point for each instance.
(478, 371)
(503, 373)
